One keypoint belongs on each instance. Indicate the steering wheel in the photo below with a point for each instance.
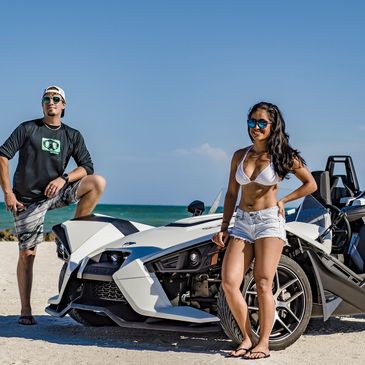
(341, 231)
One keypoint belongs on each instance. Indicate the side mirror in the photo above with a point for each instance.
(196, 207)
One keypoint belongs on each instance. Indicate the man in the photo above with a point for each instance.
(40, 182)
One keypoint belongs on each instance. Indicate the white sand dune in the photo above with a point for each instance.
(63, 341)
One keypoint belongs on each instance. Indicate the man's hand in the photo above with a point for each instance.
(54, 187)
(12, 203)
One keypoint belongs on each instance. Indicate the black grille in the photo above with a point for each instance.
(107, 290)
(170, 263)
(103, 270)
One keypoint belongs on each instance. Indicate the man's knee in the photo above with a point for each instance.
(95, 183)
(27, 256)
(99, 183)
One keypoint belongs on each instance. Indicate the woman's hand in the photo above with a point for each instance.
(280, 205)
(221, 238)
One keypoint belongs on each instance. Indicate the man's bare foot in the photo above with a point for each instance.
(27, 320)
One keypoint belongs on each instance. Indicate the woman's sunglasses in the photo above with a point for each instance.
(47, 99)
(262, 123)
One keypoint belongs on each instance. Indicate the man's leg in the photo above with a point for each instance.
(25, 280)
(29, 228)
(89, 191)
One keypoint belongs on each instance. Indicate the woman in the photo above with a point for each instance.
(259, 230)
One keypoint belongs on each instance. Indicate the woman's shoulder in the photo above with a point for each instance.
(297, 163)
(242, 151)
(239, 155)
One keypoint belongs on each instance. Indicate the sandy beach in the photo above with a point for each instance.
(63, 341)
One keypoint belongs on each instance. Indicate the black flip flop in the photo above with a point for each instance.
(231, 354)
(256, 358)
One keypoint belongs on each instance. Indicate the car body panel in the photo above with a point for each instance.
(135, 282)
(309, 233)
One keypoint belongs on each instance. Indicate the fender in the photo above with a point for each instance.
(331, 275)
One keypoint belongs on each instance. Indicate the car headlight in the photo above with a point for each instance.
(62, 251)
(194, 258)
(114, 257)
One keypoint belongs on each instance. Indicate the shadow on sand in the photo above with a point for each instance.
(336, 325)
(66, 331)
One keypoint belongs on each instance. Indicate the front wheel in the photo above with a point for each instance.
(293, 301)
(84, 317)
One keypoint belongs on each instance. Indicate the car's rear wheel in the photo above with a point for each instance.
(293, 300)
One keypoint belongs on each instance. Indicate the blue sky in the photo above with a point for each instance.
(161, 89)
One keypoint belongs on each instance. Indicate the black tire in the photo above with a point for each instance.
(90, 319)
(86, 318)
(293, 298)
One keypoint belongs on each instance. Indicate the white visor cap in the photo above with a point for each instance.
(55, 89)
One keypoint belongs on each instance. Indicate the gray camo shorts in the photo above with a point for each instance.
(251, 226)
(29, 222)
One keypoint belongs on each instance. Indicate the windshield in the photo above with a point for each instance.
(310, 211)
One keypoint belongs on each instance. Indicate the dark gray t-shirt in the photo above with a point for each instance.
(43, 156)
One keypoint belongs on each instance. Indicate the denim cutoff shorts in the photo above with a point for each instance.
(251, 226)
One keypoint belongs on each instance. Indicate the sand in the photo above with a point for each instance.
(63, 341)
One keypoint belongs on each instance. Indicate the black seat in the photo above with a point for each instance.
(323, 192)
(338, 192)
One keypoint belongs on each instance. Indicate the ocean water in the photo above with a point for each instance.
(155, 215)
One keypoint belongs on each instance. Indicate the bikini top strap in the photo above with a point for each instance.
(248, 150)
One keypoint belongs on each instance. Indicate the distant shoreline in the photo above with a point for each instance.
(153, 215)
(8, 235)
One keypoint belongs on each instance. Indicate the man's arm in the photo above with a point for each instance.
(82, 156)
(9, 198)
(57, 184)
(7, 151)
(84, 167)
(12, 145)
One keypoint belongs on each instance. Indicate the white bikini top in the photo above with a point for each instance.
(267, 176)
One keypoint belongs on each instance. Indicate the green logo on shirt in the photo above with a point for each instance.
(51, 145)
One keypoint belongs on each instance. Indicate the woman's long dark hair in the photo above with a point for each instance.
(283, 155)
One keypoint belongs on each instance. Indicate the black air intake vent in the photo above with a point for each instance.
(107, 290)
(102, 271)
(170, 262)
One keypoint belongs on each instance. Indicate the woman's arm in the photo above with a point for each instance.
(308, 186)
(230, 200)
(232, 192)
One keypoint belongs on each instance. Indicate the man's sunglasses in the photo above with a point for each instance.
(47, 99)
(262, 123)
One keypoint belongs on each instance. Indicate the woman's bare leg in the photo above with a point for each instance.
(267, 257)
(237, 260)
